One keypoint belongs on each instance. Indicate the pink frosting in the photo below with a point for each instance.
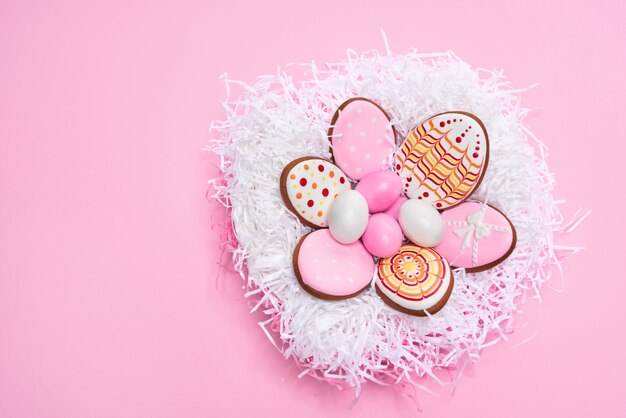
(474, 235)
(362, 139)
(333, 268)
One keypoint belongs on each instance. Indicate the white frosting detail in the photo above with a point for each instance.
(474, 227)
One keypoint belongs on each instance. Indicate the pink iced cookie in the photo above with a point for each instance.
(476, 236)
(328, 269)
(362, 138)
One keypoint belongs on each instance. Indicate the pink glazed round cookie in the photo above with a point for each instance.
(476, 237)
(328, 269)
(363, 140)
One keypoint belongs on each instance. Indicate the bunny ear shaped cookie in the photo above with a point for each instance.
(363, 140)
(443, 160)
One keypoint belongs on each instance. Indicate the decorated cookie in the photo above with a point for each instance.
(443, 160)
(416, 280)
(309, 185)
(476, 236)
(330, 270)
(362, 138)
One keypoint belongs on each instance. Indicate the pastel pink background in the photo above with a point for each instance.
(109, 303)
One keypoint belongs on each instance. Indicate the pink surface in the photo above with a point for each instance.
(474, 235)
(362, 139)
(109, 302)
(333, 268)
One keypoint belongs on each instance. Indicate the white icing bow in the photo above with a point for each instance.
(474, 227)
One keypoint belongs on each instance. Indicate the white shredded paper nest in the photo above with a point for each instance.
(350, 342)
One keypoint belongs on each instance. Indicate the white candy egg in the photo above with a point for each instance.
(348, 216)
(421, 223)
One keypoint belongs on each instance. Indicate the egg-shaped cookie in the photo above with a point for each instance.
(415, 280)
(476, 236)
(443, 160)
(328, 269)
(308, 186)
(362, 138)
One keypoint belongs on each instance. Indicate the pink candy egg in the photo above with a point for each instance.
(381, 189)
(383, 236)
(394, 210)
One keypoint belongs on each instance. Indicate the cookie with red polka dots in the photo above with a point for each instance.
(309, 186)
(444, 159)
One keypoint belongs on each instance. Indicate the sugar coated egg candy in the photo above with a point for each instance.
(348, 217)
(421, 223)
(383, 236)
(381, 189)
